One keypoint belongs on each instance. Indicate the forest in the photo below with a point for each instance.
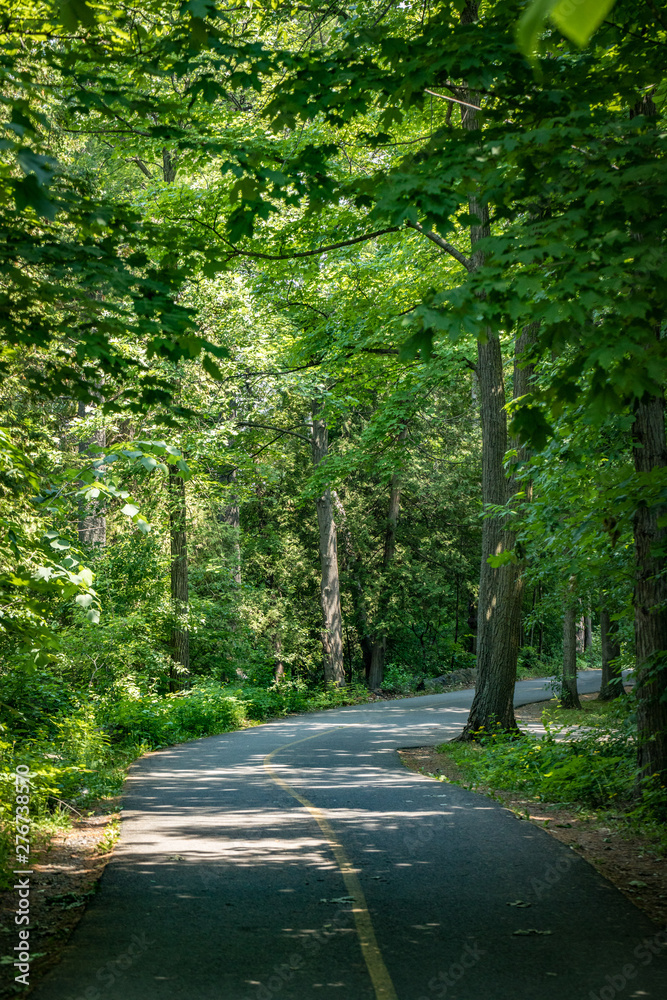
(332, 342)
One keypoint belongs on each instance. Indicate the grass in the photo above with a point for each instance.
(111, 836)
(586, 760)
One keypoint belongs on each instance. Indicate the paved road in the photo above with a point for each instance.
(300, 860)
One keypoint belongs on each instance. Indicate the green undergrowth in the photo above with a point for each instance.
(78, 745)
(586, 759)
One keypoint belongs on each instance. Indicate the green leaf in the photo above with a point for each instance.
(578, 19)
(75, 12)
(29, 193)
(210, 367)
(183, 469)
(84, 600)
(502, 559)
(531, 25)
(93, 616)
(130, 510)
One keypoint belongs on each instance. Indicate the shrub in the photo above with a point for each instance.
(596, 767)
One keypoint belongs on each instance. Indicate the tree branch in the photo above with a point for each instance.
(443, 244)
(271, 427)
(454, 100)
(142, 166)
(307, 253)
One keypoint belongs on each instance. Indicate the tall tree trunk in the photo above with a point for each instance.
(500, 588)
(279, 669)
(650, 453)
(588, 634)
(457, 590)
(354, 568)
(379, 645)
(332, 619)
(471, 621)
(92, 527)
(611, 685)
(180, 639)
(231, 514)
(569, 697)
(232, 517)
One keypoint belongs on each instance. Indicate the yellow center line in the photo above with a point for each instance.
(382, 984)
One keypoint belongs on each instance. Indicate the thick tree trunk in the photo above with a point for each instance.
(332, 619)
(231, 515)
(279, 670)
(500, 588)
(168, 167)
(569, 697)
(611, 685)
(471, 621)
(650, 453)
(353, 563)
(588, 634)
(92, 527)
(498, 615)
(379, 644)
(180, 639)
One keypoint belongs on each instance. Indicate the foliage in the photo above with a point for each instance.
(579, 759)
(212, 220)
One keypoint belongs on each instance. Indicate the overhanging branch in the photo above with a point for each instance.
(443, 244)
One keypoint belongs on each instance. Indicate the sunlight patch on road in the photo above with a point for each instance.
(382, 984)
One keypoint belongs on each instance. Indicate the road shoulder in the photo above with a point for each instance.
(626, 859)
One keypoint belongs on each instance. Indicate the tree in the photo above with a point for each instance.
(378, 648)
(332, 620)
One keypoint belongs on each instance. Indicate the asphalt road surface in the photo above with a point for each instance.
(301, 860)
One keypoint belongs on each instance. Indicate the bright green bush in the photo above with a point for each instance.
(160, 720)
(596, 767)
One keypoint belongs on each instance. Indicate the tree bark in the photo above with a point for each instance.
(379, 644)
(279, 670)
(569, 697)
(332, 619)
(231, 515)
(180, 639)
(650, 453)
(92, 527)
(611, 685)
(500, 588)
(353, 561)
(588, 633)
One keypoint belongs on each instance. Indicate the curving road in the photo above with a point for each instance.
(300, 860)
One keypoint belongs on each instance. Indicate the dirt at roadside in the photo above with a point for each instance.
(66, 872)
(627, 860)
